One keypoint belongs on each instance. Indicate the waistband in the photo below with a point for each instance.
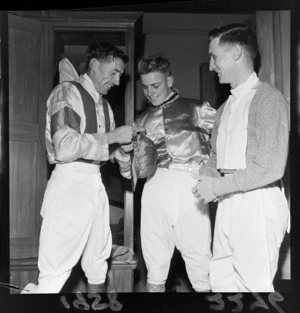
(225, 172)
(185, 167)
(79, 167)
(90, 161)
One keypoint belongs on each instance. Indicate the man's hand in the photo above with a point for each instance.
(123, 134)
(203, 189)
(127, 148)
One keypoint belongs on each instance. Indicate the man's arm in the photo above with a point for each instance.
(64, 108)
(210, 168)
(121, 152)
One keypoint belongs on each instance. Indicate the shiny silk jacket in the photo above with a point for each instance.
(180, 129)
(72, 134)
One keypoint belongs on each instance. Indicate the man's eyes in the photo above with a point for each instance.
(117, 73)
(153, 86)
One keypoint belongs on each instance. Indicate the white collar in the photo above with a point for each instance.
(243, 88)
(89, 85)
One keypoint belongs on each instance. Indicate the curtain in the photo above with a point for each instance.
(273, 34)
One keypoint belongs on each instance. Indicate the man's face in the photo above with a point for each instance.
(107, 74)
(222, 61)
(156, 86)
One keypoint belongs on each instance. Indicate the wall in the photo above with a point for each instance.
(182, 37)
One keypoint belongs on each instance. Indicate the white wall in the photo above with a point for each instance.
(182, 37)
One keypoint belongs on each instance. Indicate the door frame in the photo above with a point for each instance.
(127, 22)
(4, 153)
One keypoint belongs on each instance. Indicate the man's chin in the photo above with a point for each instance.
(156, 103)
(221, 81)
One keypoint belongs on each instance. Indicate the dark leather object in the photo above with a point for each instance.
(144, 159)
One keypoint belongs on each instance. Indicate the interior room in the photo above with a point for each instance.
(38, 40)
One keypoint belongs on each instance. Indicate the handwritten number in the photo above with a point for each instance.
(95, 305)
(114, 304)
(276, 296)
(64, 302)
(80, 303)
(273, 298)
(259, 303)
(218, 298)
(237, 298)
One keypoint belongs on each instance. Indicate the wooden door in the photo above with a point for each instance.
(28, 163)
(30, 82)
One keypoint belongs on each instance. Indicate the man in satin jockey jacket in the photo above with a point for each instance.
(80, 131)
(171, 216)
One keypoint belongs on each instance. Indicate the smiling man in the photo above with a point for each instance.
(79, 132)
(171, 217)
(249, 154)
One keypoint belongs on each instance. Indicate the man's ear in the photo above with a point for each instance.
(237, 52)
(93, 63)
(170, 81)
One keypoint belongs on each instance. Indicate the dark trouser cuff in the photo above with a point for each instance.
(96, 288)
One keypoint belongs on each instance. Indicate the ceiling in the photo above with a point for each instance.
(196, 6)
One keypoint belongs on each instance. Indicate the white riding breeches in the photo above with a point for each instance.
(171, 216)
(249, 229)
(75, 223)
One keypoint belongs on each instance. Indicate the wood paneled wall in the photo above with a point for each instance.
(30, 82)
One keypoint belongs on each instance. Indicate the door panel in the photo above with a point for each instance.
(24, 63)
(30, 83)
(22, 219)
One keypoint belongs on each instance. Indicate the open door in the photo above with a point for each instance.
(35, 39)
(30, 82)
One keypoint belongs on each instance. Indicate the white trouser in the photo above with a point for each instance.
(75, 215)
(248, 233)
(171, 216)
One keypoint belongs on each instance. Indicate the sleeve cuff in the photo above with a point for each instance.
(223, 185)
(211, 172)
(120, 155)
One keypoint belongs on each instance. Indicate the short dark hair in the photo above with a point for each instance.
(154, 63)
(236, 34)
(104, 51)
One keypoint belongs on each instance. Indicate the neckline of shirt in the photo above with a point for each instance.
(246, 86)
(171, 98)
(88, 84)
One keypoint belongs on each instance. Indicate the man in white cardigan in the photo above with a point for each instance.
(249, 154)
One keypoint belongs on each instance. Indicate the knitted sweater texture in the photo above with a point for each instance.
(267, 144)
